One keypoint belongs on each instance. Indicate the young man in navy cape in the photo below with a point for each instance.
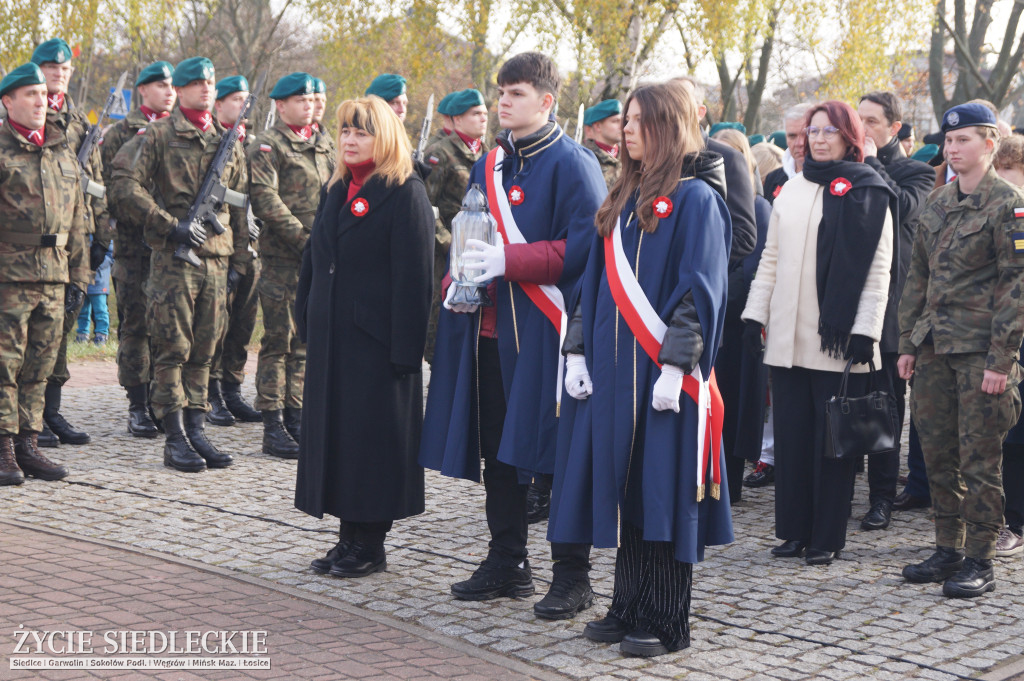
(496, 379)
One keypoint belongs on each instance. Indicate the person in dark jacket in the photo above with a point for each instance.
(911, 181)
(793, 159)
(361, 307)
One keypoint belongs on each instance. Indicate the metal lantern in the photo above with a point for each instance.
(474, 221)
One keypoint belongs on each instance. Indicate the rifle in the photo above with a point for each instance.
(89, 187)
(212, 194)
(425, 130)
(579, 126)
(271, 117)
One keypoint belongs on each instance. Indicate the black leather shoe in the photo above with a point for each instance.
(794, 548)
(276, 440)
(564, 599)
(493, 580)
(538, 499)
(975, 578)
(10, 473)
(178, 453)
(31, 461)
(360, 560)
(906, 502)
(293, 421)
(819, 557)
(879, 517)
(47, 438)
(239, 408)
(610, 629)
(139, 422)
(941, 565)
(642, 644)
(218, 414)
(762, 475)
(64, 431)
(196, 433)
(324, 565)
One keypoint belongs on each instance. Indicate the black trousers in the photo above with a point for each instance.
(506, 498)
(652, 589)
(884, 469)
(812, 493)
(1013, 486)
(371, 534)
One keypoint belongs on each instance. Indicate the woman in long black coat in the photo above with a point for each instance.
(361, 307)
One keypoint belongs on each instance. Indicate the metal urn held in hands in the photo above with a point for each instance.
(474, 221)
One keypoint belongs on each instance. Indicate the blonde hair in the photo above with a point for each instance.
(738, 141)
(392, 153)
(768, 157)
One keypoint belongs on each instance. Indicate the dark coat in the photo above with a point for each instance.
(361, 306)
(739, 199)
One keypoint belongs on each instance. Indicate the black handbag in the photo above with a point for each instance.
(855, 426)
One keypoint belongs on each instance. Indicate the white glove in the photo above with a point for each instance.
(480, 255)
(667, 389)
(461, 308)
(577, 379)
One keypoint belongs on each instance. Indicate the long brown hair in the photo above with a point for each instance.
(670, 130)
(392, 153)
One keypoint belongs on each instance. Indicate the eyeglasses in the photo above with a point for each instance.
(828, 131)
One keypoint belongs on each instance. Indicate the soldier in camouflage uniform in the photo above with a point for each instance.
(602, 132)
(961, 320)
(54, 59)
(228, 369)
(42, 253)
(323, 136)
(156, 178)
(450, 158)
(287, 168)
(131, 262)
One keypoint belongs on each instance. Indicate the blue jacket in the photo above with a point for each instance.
(101, 281)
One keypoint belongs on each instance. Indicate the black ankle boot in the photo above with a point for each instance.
(218, 414)
(363, 558)
(64, 431)
(47, 438)
(178, 453)
(564, 599)
(942, 564)
(974, 579)
(239, 408)
(293, 421)
(538, 499)
(196, 434)
(276, 440)
(139, 422)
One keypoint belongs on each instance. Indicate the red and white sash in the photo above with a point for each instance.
(649, 330)
(547, 297)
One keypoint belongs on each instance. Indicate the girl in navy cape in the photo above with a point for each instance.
(627, 465)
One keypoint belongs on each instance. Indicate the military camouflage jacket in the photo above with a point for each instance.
(128, 242)
(75, 127)
(286, 173)
(966, 279)
(157, 175)
(610, 165)
(451, 160)
(40, 194)
(325, 140)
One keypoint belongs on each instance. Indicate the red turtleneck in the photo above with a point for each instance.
(303, 131)
(36, 137)
(201, 119)
(474, 145)
(153, 115)
(613, 151)
(55, 101)
(360, 171)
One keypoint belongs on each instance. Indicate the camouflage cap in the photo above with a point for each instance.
(232, 84)
(54, 50)
(387, 86)
(297, 83)
(193, 68)
(457, 103)
(601, 111)
(319, 86)
(158, 70)
(26, 74)
(727, 125)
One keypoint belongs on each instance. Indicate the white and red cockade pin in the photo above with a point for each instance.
(516, 195)
(662, 207)
(359, 207)
(840, 186)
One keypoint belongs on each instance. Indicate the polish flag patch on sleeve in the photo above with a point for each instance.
(1018, 213)
(265, 147)
(142, 131)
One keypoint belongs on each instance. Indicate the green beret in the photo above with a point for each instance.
(778, 138)
(599, 112)
(319, 86)
(193, 68)
(387, 86)
(925, 153)
(727, 125)
(755, 139)
(232, 84)
(458, 103)
(26, 74)
(158, 70)
(53, 50)
(298, 83)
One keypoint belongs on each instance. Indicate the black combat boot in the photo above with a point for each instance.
(276, 440)
(32, 462)
(495, 578)
(538, 499)
(218, 414)
(941, 565)
(565, 598)
(139, 422)
(365, 556)
(345, 537)
(974, 579)
(178, 453)
(196, 433)
(64, 431)
(47, 438)
(293, 421)
(239, 408)
(10, 473)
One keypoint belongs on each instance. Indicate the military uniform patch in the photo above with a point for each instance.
(433, 160)
(265, 147)
(1018, 242)
(1018, 213)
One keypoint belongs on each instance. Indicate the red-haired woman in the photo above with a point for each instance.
(821, 290)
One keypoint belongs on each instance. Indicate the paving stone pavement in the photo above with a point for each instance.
(754, 617)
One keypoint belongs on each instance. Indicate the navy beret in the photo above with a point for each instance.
(457, 103)
(966, 115)
(601, 111)
(387, 86)
(193, 68)
(297, 83)
(905, 131)
(53, 50)
(158, 70)
(232, 84)
(26, 74)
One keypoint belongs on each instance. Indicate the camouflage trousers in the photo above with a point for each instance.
(185, 317)
(962, 431)
(31, 317)
(281, 369)
(133, 355)
(232, 352)
(61, 374)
